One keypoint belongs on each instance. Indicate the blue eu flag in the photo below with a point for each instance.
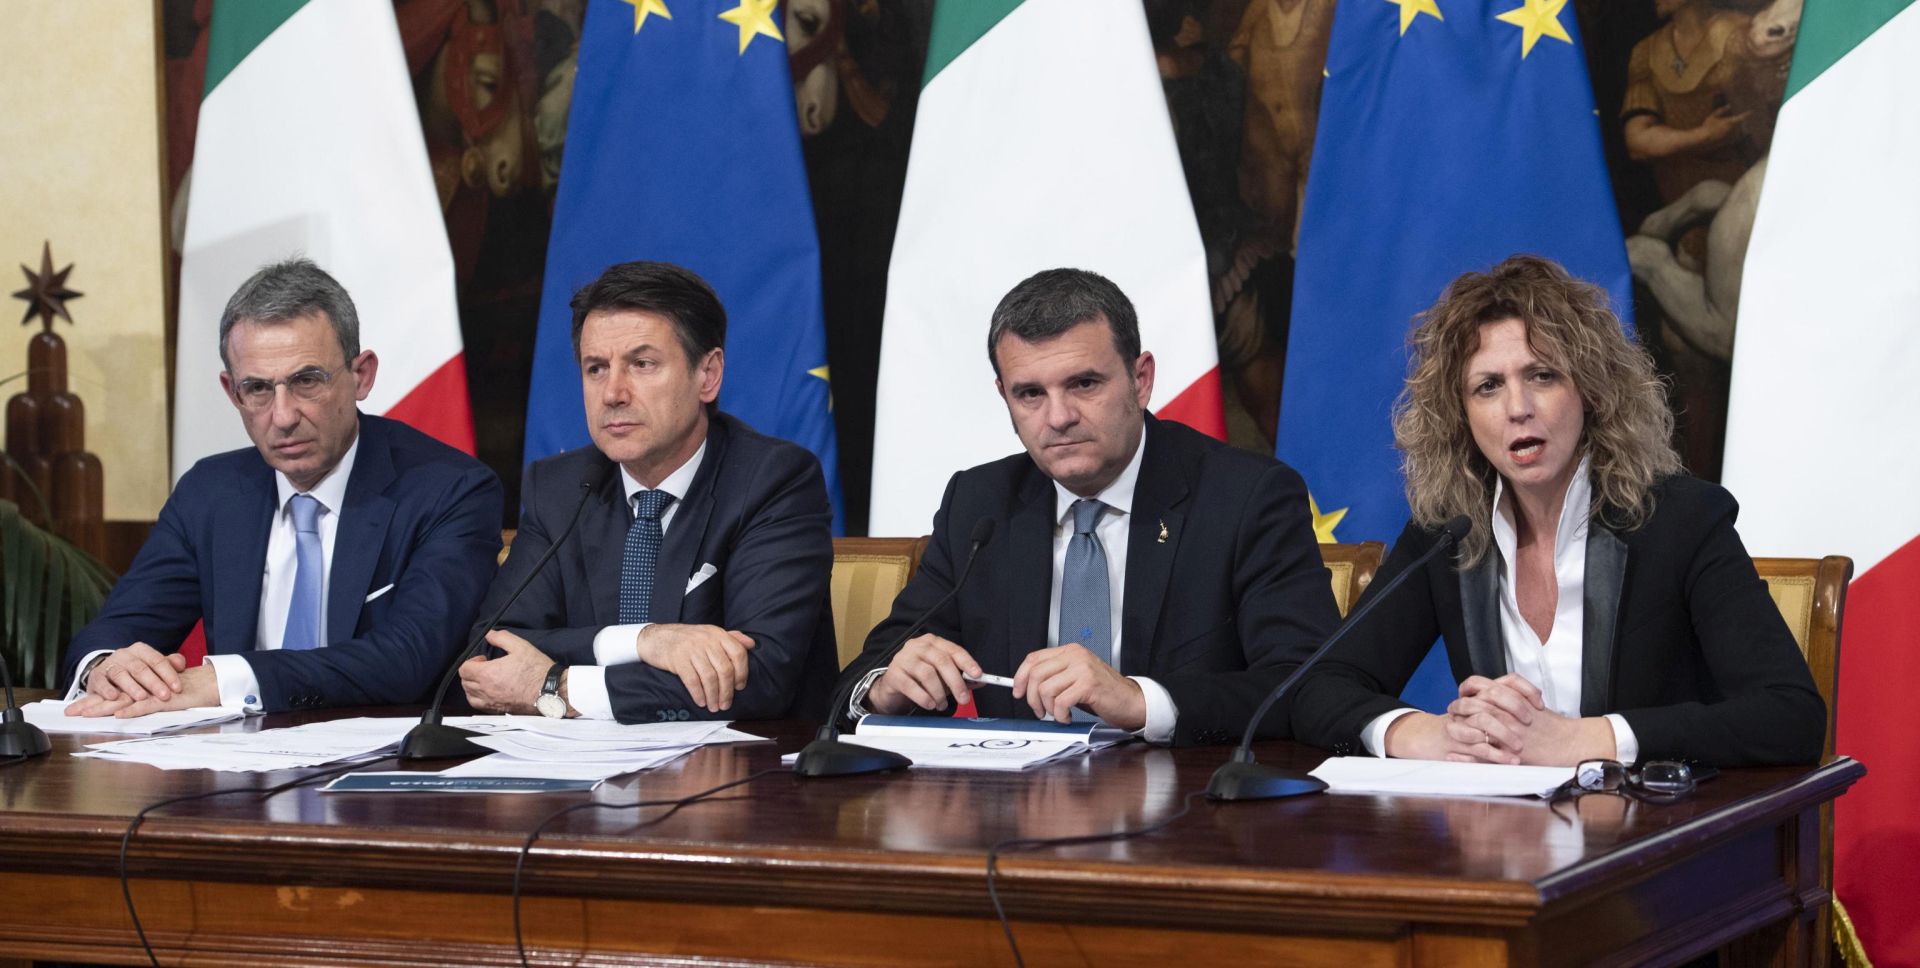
(682, 146)
(1453, 133)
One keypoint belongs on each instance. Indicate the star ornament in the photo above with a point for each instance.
(755, 19)
(46, 294)
(642, 9)
(1536, 19)
(1323, 524)
(1409, 9)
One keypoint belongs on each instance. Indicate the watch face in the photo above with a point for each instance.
(551, 706)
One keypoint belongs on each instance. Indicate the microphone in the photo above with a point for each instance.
(434, 740)
(1241, 778)
(827, 755)
(18, 738)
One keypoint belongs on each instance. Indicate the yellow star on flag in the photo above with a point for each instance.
(1537, 18)
(755, 19)
(821, 372)
(1323, 524)
(642, 9)
(1410, 9)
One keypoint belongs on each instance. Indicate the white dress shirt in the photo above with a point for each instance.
(1554, 665)
(617, 644)
(232, 672)
(1111, 531)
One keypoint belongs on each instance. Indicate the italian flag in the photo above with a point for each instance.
(1826, 389)
(1042, 140)
(309, 143)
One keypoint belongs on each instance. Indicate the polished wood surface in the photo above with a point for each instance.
(890, 869)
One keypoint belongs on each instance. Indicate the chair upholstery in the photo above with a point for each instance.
(506, 545)
(1351, 566)
(867, 574)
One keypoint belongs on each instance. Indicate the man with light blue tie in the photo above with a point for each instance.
(337, 562)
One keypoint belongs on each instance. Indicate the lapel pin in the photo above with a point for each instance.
(1163, 530)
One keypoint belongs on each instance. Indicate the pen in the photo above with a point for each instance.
(988, 680)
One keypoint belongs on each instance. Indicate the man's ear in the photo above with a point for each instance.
(713, 368)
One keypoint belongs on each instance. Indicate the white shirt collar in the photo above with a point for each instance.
(1117, 495)
(677, 483)
(1574, 513)
(331, 492)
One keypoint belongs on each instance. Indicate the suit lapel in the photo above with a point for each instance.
(1606, 574)
(688, 531)
(1029, 575)
(235, 627)
(1480, 613)
(364, 516)
(602, 537)
(1157, 496)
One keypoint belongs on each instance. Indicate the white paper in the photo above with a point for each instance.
(500, 764)
(50, 715)
(1370, 774)
(1095, 735)
(312, 744)
(968, 753)
(691, 733)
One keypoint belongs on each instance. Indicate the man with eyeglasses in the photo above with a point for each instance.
(338, 562)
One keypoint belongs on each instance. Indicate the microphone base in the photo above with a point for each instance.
(1250, 781)
(438, 741)
(831, 757)
(21, 738)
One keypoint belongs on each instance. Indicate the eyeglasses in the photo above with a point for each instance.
(308, 384)
(1660, 781)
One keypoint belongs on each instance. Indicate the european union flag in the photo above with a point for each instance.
(682, 146)
(1453, 133)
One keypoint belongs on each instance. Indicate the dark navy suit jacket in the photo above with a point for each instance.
(757, 511)
(418, 515)
(1225, 590)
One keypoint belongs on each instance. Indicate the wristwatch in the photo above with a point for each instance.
(550, 704)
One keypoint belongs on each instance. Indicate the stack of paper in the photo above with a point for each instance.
(1368, 774)
(529, 747)
(51, 716)
(314, 744)
(980, 744)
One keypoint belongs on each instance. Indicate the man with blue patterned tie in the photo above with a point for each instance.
(695, 585)
(1137, 571)
(336, 562)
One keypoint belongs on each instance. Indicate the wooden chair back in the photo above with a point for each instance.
(1351, 566)
(867, 574)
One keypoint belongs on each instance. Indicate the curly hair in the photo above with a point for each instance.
(1628, 426)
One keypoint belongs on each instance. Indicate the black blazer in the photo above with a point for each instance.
(757, 511)
(1681, 638)
(1235, 584)
(419, 529)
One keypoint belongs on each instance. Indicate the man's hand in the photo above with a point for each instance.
(1053, 681)
(927, 672)
(510, 683)
(135, 673)
(1424, 736)
(194, 687)
(710, 661)
(1514, 719)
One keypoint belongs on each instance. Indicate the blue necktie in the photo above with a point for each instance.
(309, 574)
(1085, 616)
(641, 554)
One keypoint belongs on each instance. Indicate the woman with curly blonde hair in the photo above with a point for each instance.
(1601, 606)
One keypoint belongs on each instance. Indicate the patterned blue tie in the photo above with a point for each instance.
(1084, 602)
(642, 553)
(309, 574)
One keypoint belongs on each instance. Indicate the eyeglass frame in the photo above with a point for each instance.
(1619, 779)
(272, 387)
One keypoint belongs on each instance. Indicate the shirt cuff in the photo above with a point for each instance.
(1374, 736)
(617, 645)
(238, 685)
(1626, 746)
(79, 687)
(587, 691)
(857, 702)
(1161, 711)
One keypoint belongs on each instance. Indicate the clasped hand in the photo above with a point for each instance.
(1504, 720)
(930, 672)
(139, 679)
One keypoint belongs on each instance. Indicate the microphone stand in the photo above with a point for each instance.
(1242, 777)
(18, 738)
(828, 754)
(435, 740)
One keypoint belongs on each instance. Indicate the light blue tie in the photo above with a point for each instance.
(640, 556)
(309, 574)
(1085, 616)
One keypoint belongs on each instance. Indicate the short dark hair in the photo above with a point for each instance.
(699, 321)
(1048, 303)
(292, 289)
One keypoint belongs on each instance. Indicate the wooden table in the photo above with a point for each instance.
(890, 870)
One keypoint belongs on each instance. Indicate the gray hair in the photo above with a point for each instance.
(1048, 303)
(290, 290)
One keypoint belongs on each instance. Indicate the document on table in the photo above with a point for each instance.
(312, 744)
(626, 735)
(604, 766)
(968, 752)
(50, 715)
(1095, 735)
(1372, 774)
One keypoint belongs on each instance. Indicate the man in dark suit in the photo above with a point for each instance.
(1137, 570)
(336, 563)
(695, 585)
